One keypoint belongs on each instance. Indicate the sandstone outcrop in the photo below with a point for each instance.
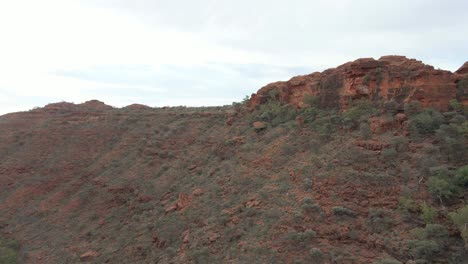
(389, 78)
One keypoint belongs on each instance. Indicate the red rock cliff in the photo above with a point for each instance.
(388, 78)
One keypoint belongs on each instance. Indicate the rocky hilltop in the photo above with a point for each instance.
(272, 180)
(388, 78)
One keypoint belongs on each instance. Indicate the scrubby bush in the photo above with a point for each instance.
(307, 200)
(429, 242)
(311, 208)
(310, 100)
(246, 100)
(275, 112)
(360, 111)
(316, 255)
(412, 108)
(428, 213)
(301, 238)
(388, 261)
(446, 187)
(8, 251)
(451, 138)
(426, 122)
(378, 220)
(391, 106)
(461, 177)
(365, 131)
(460, 219)
(455, 105)
(405, 171)
(462, 86)
(389, 155)
(407, 205)
(441, 188)
(201, 255)
(400, 144)
(308, 184)
(423, 249)
(434, 232)
(342, 211)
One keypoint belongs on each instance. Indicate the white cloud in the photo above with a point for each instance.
(201, 45)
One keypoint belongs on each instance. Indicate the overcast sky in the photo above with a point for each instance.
(206, 52)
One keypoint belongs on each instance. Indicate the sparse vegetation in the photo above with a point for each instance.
(203, 185)
(342, 211)
(428, 213)
(426, 122)
(365, 131)
(8, 251)
(379, 220)
(460, 219)
(360, 111)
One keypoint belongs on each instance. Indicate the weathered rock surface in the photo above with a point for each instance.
(388, 78)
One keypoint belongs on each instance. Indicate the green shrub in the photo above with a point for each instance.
(273, 94)
(312, 208)
(462, 86)
(446, 187)
(391, 106)
(365, 131)
(451, 139)
(246, 100)
(301, 238)
(460, 219)
(426, 122)
(434, 232)
(430, 241)
(310, 100)
(388, 261)
(389, 155)
(307, 200)
(360, 111)
(275, 112)
(201, 255)
(8, 251)
(378, 220)
(405, 171)
(316, 255)
(412, 108)
(428, 213)
(308, 184)
(342, 211)
(400, 144)
(423, 249)
(407, 205)
(461, 176)
(441, 188)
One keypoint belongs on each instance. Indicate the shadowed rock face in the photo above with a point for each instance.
(388, 78)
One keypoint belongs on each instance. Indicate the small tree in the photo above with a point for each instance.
(426, 122)
(429, 213)
(461, 177)
(440, 188)
(412, 108)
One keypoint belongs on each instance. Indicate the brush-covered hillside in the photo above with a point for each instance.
(364, 163)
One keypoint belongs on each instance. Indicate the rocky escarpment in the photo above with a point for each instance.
(388, 78)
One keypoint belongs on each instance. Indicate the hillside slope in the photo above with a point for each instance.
(377, 181)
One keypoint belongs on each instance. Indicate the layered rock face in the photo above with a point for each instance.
(388, 78)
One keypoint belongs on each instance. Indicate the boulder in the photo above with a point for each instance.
(259, 125)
